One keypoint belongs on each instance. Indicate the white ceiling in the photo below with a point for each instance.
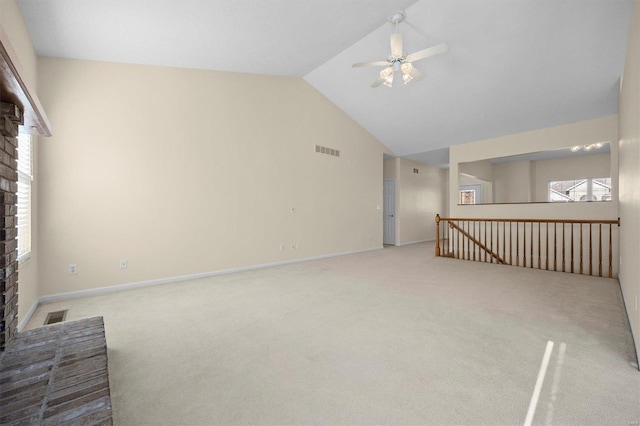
(512, 65)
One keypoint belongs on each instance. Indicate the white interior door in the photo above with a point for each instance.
(389, 212)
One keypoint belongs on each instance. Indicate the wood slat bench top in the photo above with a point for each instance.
(56, 375)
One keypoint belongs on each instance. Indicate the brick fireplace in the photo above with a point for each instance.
(11, 117)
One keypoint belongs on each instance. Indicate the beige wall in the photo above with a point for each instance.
(512, 182)
(629, 158)
(186, 171)
(419, 197)
(482, 169)
(584, 132)
(13, 25)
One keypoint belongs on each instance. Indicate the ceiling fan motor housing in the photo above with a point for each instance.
(397, 17)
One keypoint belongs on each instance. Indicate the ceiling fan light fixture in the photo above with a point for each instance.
(389, 80)
(387, 75)
(406, 72)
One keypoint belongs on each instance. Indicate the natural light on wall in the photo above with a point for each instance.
(25, 176)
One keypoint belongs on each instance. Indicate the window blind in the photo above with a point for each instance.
(25, 177)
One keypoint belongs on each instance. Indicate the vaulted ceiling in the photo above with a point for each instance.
(512, 65)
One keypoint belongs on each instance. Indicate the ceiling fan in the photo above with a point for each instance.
(399, 61)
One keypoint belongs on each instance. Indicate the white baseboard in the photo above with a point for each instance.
(129, 286)
(416, 242)
(22, 323)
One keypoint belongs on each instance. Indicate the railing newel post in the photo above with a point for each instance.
(437, 235)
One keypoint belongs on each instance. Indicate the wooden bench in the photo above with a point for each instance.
(56, 375)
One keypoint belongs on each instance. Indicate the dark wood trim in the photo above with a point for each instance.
(586, 221)
(16, 90)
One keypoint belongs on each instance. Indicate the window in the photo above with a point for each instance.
(588, 189)
(25, 176)
(467, 196)
(470, 194)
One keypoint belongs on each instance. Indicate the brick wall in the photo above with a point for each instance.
(10, 118)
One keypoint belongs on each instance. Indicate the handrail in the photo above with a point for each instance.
(482, 246)
(587, 221)
(551, 244)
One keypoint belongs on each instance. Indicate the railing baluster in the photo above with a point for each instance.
(524, 244)
(463, 241)
(485, 239)
(504, 241)
(491, 240)
(564, 251)
(498, 240)
(468, 242)
(590, 251)
(474, 243)
(555, 247)
(517, 243)
(581, 244)
(610, 254)
(572, 248)
(539, 245)
(600, 250)
(510, 245)
(547, 249)
(531, 239)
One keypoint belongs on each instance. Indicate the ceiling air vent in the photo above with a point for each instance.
(54, 317)
(328, 151)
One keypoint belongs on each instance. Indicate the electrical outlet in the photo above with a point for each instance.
(123, 263)
(293, 246)
(73, 269)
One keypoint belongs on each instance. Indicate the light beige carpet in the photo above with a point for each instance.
(394, 336)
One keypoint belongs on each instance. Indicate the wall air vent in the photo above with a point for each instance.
(328, 151)
(54, 317)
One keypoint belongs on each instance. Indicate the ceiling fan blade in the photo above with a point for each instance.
(371, 64)
(396, 45)
(431, 51)
(378, 82)
(416, 73)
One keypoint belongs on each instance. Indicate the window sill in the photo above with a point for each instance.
(24, 258)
